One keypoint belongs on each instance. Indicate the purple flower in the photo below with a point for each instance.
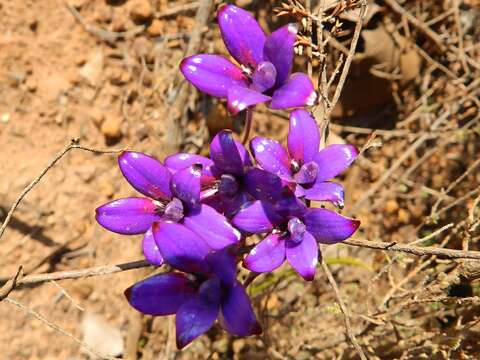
(198, 298)
(223, 174)
(265, 66)
(293, 232)
(303, 164)
(172, 200)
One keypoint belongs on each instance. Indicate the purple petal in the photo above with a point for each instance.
(231, 205)
(303, 136)
(264, 77)
(128, 216)
(186, 185)
(180, 161)
(264, 185)
(212, 227)
(161, 294)
(238, 317)
(268, 255)
(242, 35)
(181, 247)
(334, 159)
(196, 316)
(271, 156)
(212, 74)
(239, 98)
(328, 227)
(279, 50)
(228, 154)
(150, 249)
(307, 173)
(303, 256)
(326, 191)
(298, 91)
(256, 218)
(145, 174)
(223, 264)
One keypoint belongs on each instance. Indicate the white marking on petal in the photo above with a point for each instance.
(135, 155)
(197, 60)
(312, 98)
(293, 28)
(241, 106)
(260, 148)
(192, 68)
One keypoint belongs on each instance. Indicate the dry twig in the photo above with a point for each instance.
(343, 308)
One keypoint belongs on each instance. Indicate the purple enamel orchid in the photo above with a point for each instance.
(303, 163)
(172, 199)
(293, 232)
(198, 298)
(265, 65)
(223, 174)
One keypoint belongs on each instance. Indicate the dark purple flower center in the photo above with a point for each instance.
(296, 228)
(228, 185)
(174, 210)
(264, 77)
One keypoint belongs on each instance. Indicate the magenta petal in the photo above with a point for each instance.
(328, 227)
(279, 50)
(303, 136)
(303, 256)
(239, 98)
(268, 255)
(265, 186)
(242, 35)
(212, 227)
(128, 216)
(223, 263)
(145, 174)
(307, 173)
(298, 91)
(186, 185)
(271, 156)
(326, 191)
(238, 317)
(150, 249)
(334, 159)
(256, 218)
(161, 294)
(196, 316)
(264, 77)
(228, 154)
(181, 247)
(182, 161)
(212, 74)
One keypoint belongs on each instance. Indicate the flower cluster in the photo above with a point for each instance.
(198, 213)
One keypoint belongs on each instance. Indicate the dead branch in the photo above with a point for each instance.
(343, 308)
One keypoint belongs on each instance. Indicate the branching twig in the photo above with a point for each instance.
(74, 144)
(415, 250)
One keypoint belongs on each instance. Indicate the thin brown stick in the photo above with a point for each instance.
(57, 328)
(177, 9)
(414, 250)
(74, 144)
(343, 308)
(395, 6)
(349, 59)
(178, 105)
(396, 165)
(105, 35)
(83, 273)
